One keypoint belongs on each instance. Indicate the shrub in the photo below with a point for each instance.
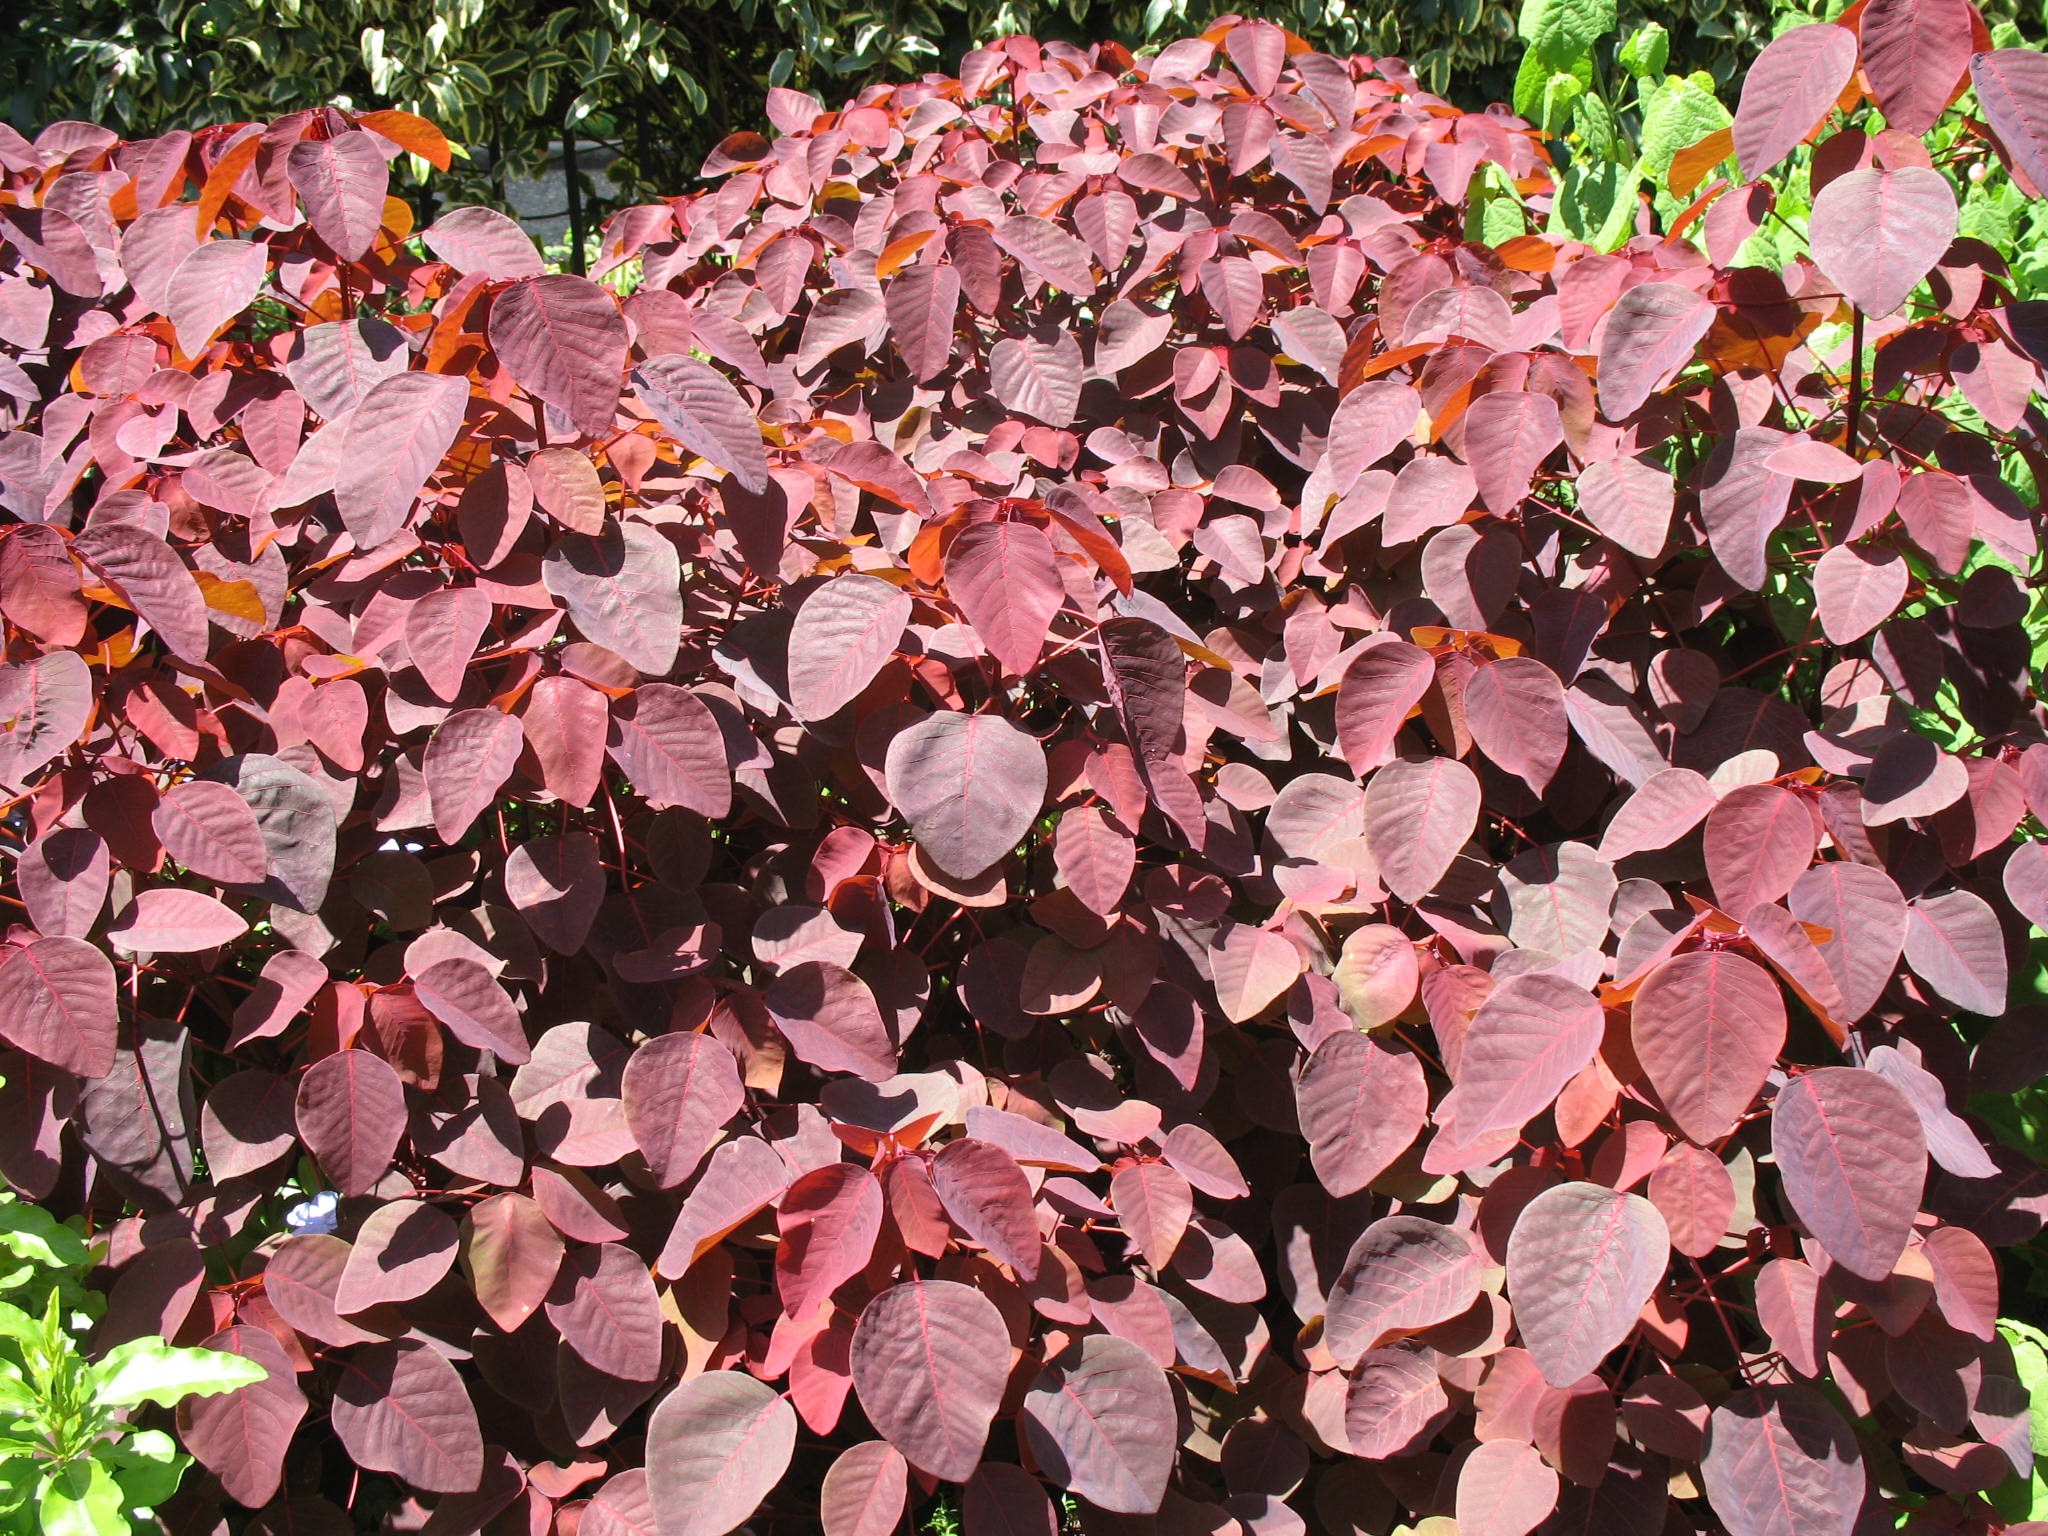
(1117, 793)
(72, 1463)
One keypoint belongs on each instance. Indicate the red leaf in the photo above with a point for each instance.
(342, 182)
(1508, 435)
(1787, 92)
(679, 1092)
(401, 1252)
(828, 1220)
(1100, 1420)
(864, 1490)
(1532, 1036)
(1853, 1159)
(1418, 813)
(1707, 1027)
(1006, 579)
(351, 1113)
(1878, 232)
(1361, 1106)
(1504, 1489)
(1582, 1261)
(1515, 710)
(699, 409)
(988, 1197)
(2012, 85)
(511, 1255)
(1404, 1274)
(1379, 689)
(930, 1358)
(969, 785)
(1780, 1462)
(716, 1447)
(58, 1002)
(671, 749)
(844, 632)
(242, 1436)
(400, 1408)
(562, 338)
(1649, 338)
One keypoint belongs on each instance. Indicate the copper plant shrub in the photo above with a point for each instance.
(1154, 840)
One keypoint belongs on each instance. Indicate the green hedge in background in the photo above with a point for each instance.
(657, 82)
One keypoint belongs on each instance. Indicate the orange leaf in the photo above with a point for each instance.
(411, 133)
(1690, 165)
(237, 598)
(220, 181)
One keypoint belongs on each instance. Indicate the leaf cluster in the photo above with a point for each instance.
(70, 1461)
(1108, 780)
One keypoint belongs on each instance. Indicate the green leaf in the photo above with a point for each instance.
(1681, 114)
(1564, 31)
(82, 1500)
(2030, 1357)
(147, 1466)
(1646, 52)
(152, 1371)
(1596, 202)
(1594, 124)
(30, 1232)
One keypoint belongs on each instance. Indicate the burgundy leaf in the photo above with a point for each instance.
(1100, 1419)
(1394, 1400)
(969, 785)
(844, 632)
(987, 1196)
(400, 1408)
(604, 1304)
(58, 1002)
(930, 1358)
(699, 409)
(1853, 1158)
(1650, 336)
(342, 182)
(242, 1436)
(511, 1255)
(679, 1092)
(1360, 1106)
(1006, 580)
(1582, 1261)
(1786, 93)
(401, 1252)
(465, 997)
(1379, 689)
(1878, 232)
(351, 1114)
(829, 1220)
(716, 1447)
(1533, 1035)
(1504, 1489)
(2012, 84)
(396, 440)
(671, 749)
(562, 338)
(831, 1020)
(864, 1490)
(1915, 54)
(1954, 944)
(1418, 813)
(1508, 435)
(1707, 1027)
(1515, 710)
(1404, 1274)
(1780, 1462)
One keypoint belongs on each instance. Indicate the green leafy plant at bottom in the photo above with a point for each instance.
(71, 1462)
